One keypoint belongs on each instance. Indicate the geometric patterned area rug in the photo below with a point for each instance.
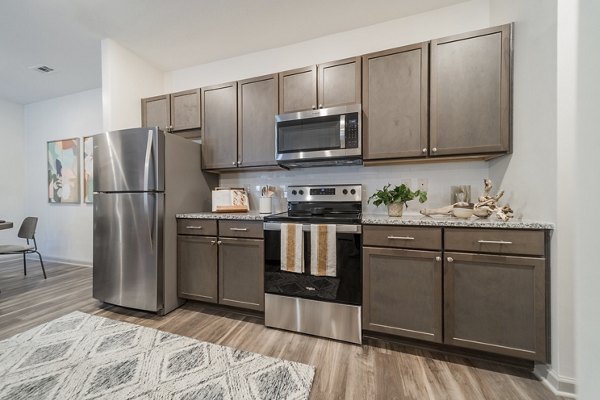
(81, 356)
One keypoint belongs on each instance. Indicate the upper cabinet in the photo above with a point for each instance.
(156, 111)
(239, 124)
(177, 113)
(185, 110)
(325, 85)
(471, 93)
(257, 107)
(395, 103)
(219, 134)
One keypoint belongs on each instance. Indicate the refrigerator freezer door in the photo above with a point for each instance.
(128, 249)
(130, 160)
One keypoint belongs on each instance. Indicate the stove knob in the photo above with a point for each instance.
(294, 192)
(301, 192)
(345, 191)
(352, 191)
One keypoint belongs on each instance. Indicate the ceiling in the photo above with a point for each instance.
(170, 34)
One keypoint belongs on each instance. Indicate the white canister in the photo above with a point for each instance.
(265, 205)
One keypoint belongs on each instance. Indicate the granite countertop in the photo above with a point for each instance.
(440, 220)
(249, 216)
(411, 220)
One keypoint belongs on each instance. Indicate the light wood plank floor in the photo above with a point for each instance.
(376, 370)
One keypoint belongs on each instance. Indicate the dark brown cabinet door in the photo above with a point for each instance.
(402, 292)
(470, 93)
(241, 273)
(339, 83)
(156, 112)
(298, 89)
(257, 106)
(219, 133)
(185, 110)
(395, 103)
(197, 267)
(496, 304)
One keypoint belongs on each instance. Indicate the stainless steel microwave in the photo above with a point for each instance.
(327, 136)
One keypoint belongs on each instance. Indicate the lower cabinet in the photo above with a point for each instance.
(241, 282)
(196, 264)
(403, 292)
(496, 303)
(225, 269)
(487, 292)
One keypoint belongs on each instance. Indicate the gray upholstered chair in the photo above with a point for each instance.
(27, 231)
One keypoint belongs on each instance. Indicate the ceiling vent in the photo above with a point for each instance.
(42, 68)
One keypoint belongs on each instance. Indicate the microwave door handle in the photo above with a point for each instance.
(342, 131)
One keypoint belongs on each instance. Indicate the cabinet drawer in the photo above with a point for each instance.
(203, 227)
(499, 241)
(242, 229)
(402, 237)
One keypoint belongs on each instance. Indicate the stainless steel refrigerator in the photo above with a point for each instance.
(142, 179)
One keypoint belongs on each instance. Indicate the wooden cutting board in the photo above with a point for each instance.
(232, 209)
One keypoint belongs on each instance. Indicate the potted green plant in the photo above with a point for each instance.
(396, 198)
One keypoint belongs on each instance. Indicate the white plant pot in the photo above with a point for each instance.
(395, 209)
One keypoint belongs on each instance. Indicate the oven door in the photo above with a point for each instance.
(345, 287)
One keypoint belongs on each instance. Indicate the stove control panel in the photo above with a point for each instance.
(334, 193)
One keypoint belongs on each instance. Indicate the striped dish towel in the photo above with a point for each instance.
(323, 250)
(292, 248)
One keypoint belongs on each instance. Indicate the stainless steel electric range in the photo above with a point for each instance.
(305, 300)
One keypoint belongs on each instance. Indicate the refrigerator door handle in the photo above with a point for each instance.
(149, 154)
(151, 212)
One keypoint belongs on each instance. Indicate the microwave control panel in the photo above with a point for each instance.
(352, 131)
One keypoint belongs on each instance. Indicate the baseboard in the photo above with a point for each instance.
(79, 263)
(559, 385)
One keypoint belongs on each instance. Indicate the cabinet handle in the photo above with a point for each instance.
(213, 242)
(434, 149)
(401, 238)
(494, 242)
(424, 150)
(234, 163)
(449, 259)
(438, 259)
(193, 227)
(320, 105)
(238, 229)
(219, 242)
(239, 163)
(314, 107)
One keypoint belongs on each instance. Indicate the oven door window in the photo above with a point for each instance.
(345, 287)
(313, 134)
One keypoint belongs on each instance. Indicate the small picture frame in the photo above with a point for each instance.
(63, 171)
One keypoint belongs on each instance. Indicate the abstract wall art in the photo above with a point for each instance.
(63, 171)
(88, 169)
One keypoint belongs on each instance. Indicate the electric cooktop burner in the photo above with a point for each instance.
(333, 204)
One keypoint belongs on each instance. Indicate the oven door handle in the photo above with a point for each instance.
(341, 228)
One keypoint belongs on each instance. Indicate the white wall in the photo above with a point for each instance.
(539, 165)
(463, 17)
(438, 23)
(64, 230)
(13, 160)
(126, 79)
(587, 271)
